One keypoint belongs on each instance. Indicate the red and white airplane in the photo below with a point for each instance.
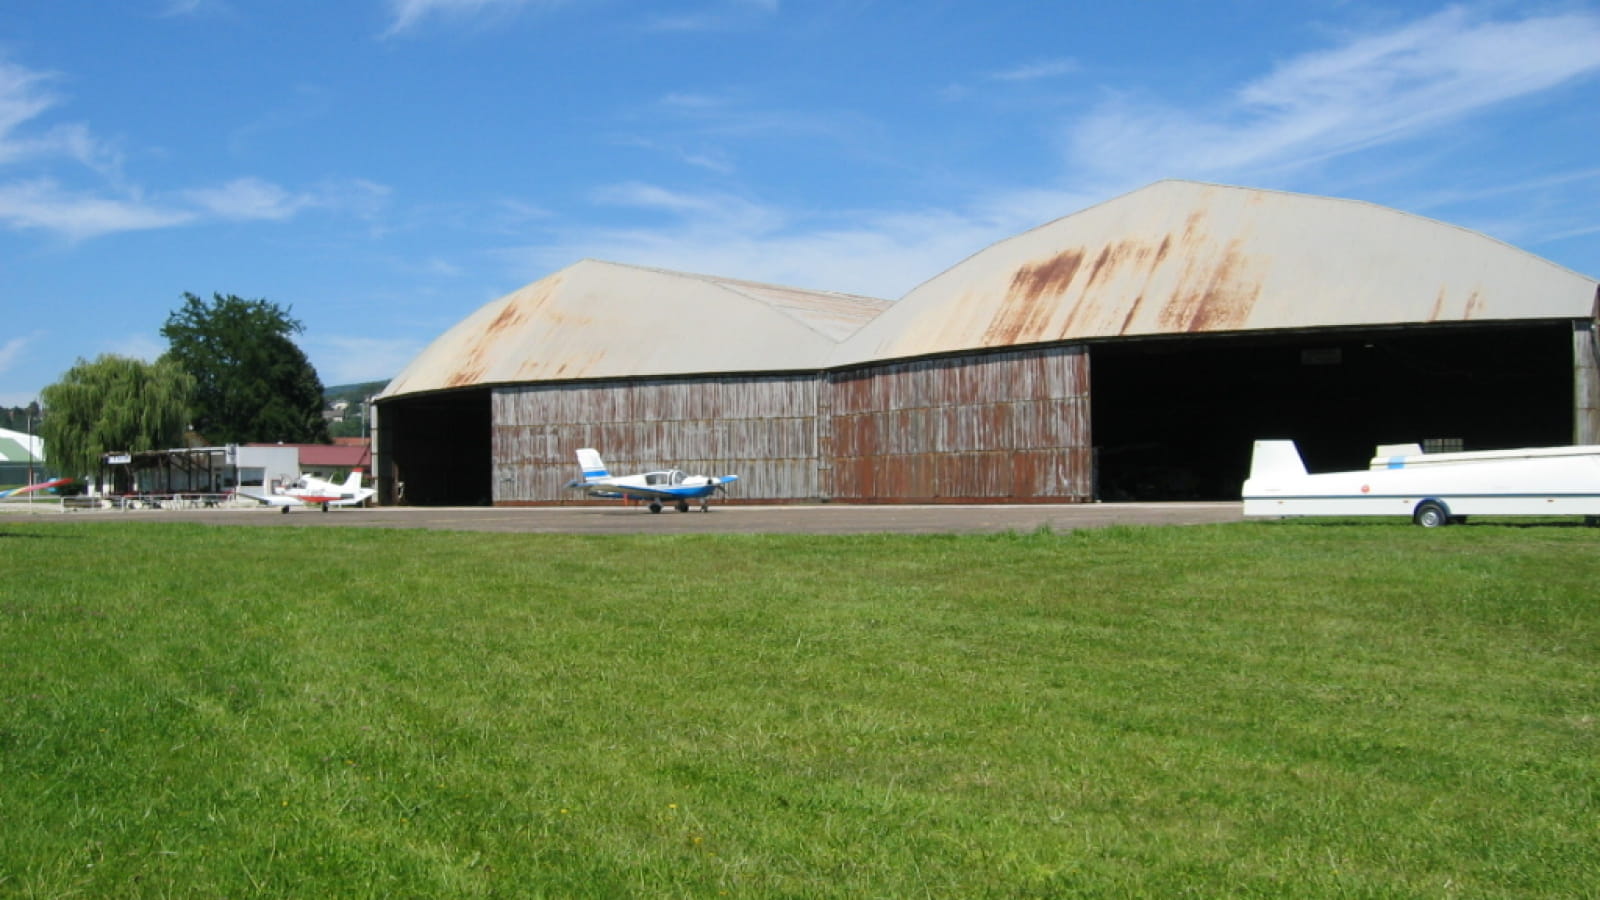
(310, 491)
(41, 486)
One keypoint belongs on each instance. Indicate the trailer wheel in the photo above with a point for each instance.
(1431, 514)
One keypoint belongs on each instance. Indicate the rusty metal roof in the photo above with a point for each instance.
(1183, 257)
(597, 319)
(1176, 257)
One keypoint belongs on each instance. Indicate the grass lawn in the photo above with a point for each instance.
(1263, 709)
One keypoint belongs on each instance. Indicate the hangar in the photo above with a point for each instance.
(1130, 351)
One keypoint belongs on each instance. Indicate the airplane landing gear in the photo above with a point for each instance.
(655, 506)
(683, 506)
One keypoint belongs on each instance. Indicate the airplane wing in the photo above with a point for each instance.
(283, 500)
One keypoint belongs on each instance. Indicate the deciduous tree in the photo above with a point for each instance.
(252, 383)
(113, 404)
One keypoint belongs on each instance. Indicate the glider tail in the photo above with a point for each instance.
(1273, 461)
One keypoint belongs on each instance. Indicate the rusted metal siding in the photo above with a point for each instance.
(1008, 426)
(761, 428)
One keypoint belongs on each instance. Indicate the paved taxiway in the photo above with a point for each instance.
(752, 519)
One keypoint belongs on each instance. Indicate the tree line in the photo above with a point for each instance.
(231, 375)
(24, 419)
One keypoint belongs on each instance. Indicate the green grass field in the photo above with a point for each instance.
(1280, 709)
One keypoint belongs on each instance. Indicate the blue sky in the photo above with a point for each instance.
(384, 167)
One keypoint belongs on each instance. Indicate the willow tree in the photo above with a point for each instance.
(113, 404)
(251, 382)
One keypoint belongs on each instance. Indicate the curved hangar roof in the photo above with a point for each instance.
(603, 320)
(1172, 258)
(1182, 257)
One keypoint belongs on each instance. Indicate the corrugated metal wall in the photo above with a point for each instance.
(1007, 426)
(761, 428)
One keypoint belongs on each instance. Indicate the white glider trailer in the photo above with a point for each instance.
(1434, 489)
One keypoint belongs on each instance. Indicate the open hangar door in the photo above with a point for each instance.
(435, 450)
(1174, 418)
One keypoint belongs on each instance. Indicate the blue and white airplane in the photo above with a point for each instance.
(669, 485)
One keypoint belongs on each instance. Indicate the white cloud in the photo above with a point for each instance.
(182, 7)
(408, 14)
(349, 360)
(43, 204)
(1369, 90)
(714, 208)
(11, 351)
(880, 254)
(715, 16)
(1035, 71)
(1373, 89)
(21, 99)
(248, 199)
(24, 97)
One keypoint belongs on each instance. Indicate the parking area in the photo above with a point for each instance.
(785, 519)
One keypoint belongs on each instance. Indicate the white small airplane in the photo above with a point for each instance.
(668, 485)
(1434, 489)
(311, 491)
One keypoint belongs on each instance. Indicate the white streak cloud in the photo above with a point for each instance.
(409, 14)
(1372, 90)
(43, 204)
(247, 199)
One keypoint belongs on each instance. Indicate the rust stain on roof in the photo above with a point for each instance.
(1189, 282)
(1220, 299)
(508, 324)
(1029, 302)
(464, 377)
(1133, 312)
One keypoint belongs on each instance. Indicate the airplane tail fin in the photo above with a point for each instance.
(353, 483)
(591, 465)
(1274, 460)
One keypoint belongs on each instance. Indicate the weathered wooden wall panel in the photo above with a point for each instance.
(760, 428)
(1006, 426)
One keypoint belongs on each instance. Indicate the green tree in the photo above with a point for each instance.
(113, 404)
(252, 383)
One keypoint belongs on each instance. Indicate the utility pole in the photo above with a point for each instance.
(31, 408)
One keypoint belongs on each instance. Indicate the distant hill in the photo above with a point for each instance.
(351, 393)
(354, 424)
